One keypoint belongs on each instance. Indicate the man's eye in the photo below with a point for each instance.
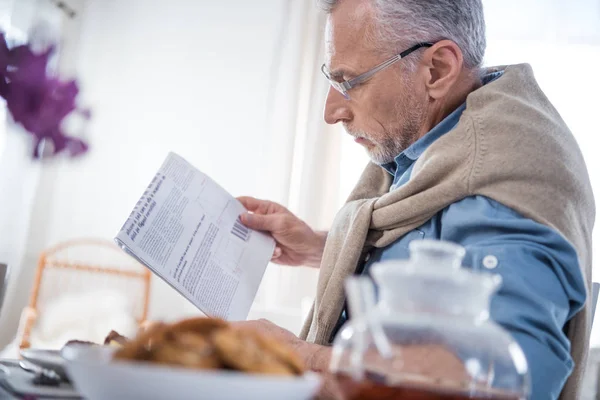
(341, 77)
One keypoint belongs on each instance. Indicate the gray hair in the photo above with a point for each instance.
(402, 21)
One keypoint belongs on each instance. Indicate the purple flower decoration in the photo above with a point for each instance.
(37, 101)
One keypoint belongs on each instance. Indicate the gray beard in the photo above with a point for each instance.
(398, 140)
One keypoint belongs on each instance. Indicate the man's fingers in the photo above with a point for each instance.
(259, 206)
(265, 223)
(250, 203)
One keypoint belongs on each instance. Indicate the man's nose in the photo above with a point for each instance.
(337, 108)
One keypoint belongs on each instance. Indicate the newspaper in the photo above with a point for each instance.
(186, 229)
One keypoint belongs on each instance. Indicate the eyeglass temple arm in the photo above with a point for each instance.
(414, 48)
(349, 84)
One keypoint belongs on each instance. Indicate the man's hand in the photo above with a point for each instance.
(297, 243)
(315, 357)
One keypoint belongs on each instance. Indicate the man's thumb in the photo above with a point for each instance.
(257, 222)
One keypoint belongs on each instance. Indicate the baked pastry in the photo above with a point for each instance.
(210, 343)
(80, 343)
(247, 351)
(115, 339)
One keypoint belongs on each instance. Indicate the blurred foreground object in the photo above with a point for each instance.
(429, 336)
(209, 343)
(37, 99)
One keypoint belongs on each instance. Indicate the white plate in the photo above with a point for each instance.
(96, 377)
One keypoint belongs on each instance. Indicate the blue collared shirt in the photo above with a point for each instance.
(542, 287)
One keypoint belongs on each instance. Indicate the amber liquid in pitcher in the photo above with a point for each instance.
(369, 389)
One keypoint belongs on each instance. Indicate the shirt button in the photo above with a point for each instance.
(367, 257)
(490, 262)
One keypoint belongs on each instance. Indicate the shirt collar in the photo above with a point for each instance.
(414, 151)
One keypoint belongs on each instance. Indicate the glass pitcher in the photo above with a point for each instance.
(429, 335)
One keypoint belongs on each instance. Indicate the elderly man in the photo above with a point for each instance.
(477, 157)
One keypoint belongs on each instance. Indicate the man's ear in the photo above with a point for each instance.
(444, 63)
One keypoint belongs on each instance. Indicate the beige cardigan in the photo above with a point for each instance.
(510, 145)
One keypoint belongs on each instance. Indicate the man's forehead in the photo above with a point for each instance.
(348, 29)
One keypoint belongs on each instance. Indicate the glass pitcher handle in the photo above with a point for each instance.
(379, 337)
(362, 301)
(357, 307)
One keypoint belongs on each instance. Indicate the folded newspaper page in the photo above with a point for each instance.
(186, 229)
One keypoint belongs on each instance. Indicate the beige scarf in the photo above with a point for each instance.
(510, 145)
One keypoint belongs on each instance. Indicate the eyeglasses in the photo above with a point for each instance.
(344, 86)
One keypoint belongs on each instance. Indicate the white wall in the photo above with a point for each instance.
(191, 76)
(187, 76)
